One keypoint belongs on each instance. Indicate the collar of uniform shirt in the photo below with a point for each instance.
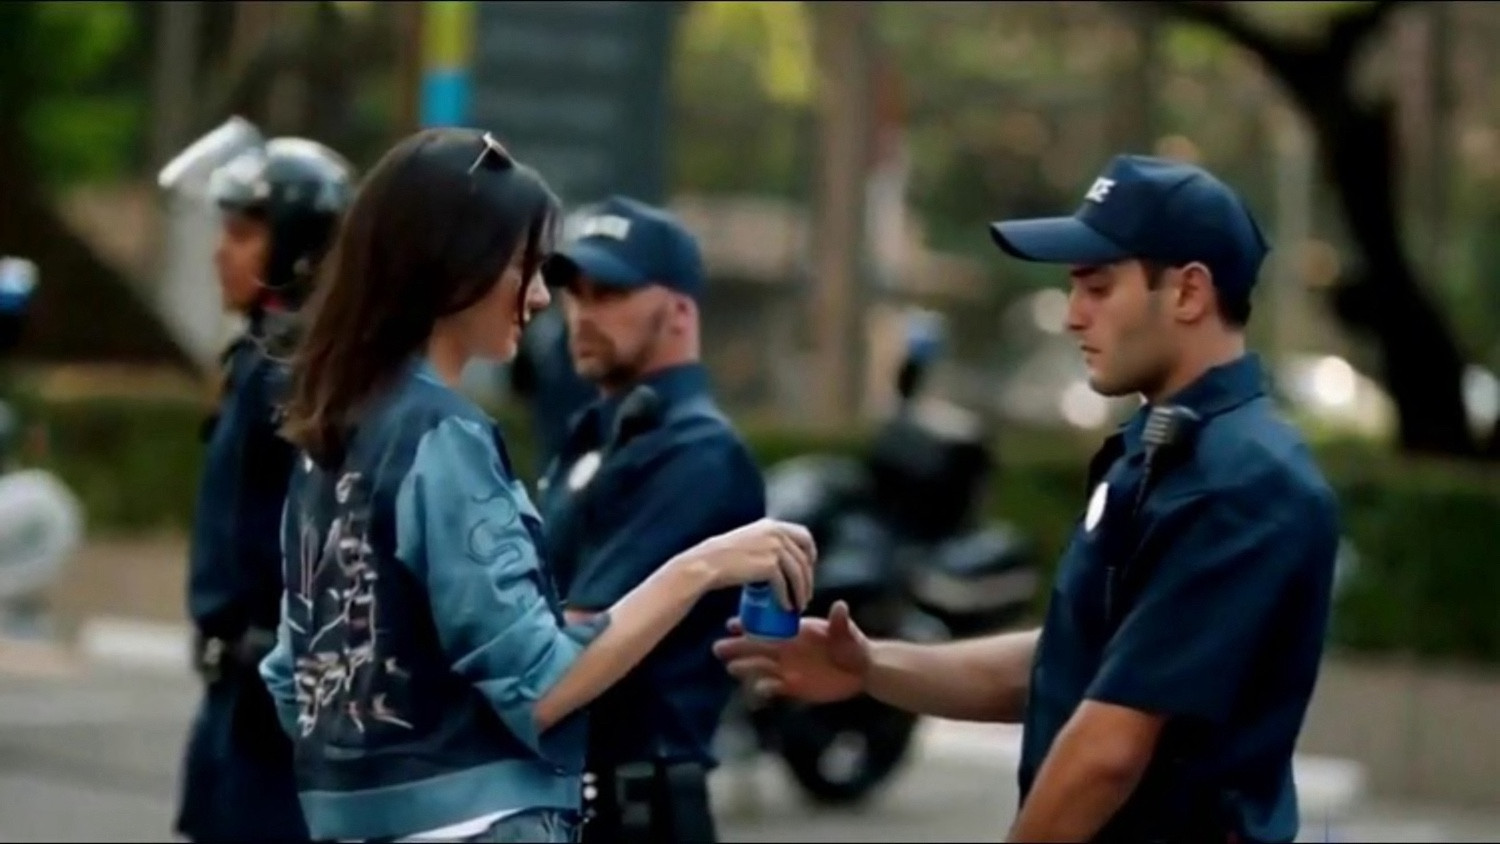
(672, 384)
(1219, 389)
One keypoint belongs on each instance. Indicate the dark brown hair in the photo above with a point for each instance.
(1234, 310)
(432, 229)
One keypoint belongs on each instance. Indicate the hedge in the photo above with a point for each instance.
(1428, 583)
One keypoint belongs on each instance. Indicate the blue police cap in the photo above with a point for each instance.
(1151, 209)
(622, 242)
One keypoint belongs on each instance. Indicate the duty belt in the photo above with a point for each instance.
(634, 792)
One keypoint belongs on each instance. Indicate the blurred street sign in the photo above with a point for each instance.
(578, 90)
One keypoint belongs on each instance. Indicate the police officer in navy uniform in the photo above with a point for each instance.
(280, 206)
(1163, 696)
(647, 470)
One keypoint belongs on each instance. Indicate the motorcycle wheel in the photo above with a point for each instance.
(840, 753)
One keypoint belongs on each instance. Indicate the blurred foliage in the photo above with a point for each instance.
(743, 79)
(1476, 289)
(1009, 107)
(88, 118)
(1427, 582)
(133, 464)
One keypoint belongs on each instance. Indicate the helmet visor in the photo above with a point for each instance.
(240, 185)
(190, 171)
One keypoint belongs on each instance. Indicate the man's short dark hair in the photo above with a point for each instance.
(1234, 310)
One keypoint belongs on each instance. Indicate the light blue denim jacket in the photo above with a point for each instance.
(420, 628)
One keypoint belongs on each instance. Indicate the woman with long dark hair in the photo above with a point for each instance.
(423, 666)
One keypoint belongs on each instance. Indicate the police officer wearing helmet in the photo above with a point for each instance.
(280, 204)
(1163, 697)
(646, 471)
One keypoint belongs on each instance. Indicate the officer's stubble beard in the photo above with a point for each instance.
(622, 368)
(1142, 360)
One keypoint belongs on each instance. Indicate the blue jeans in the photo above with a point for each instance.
(535, 826)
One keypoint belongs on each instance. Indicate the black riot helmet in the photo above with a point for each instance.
(300, 189)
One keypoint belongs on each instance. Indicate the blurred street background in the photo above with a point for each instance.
(840, 161)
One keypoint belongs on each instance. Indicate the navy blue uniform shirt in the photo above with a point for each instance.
(1222, 630)
(612, 521)
(234, 570)
(237, 778)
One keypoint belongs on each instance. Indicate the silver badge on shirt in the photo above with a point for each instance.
(1095, 511)
(584, 470)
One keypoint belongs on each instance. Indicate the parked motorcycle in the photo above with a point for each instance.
(41, 521)
(902, 542)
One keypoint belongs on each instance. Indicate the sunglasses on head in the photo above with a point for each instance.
(495, 157)
(492, 155)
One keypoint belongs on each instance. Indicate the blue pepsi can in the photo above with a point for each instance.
(763, 616)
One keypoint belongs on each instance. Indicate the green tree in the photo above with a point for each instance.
(62, 116)
(742, 93)
(1382, 297)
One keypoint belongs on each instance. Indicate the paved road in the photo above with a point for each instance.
(94, 757)
(90, 755)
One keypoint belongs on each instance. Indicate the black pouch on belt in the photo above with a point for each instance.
(657, 803)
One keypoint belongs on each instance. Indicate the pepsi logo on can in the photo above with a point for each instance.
(763, 616)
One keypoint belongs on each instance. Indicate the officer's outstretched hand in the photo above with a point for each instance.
(765, 551)
(827, 661)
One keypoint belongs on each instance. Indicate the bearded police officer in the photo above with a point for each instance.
(1164, 694)
(646, 471)
(280, 203)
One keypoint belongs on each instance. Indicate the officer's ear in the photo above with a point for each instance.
(684, 310)
(1192, 292)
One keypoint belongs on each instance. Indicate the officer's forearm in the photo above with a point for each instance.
(974, 680)
(637, 623)
(1093, 766)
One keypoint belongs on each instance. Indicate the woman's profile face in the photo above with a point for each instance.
(492, 326)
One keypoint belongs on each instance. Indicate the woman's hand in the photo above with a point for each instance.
(768, 551)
